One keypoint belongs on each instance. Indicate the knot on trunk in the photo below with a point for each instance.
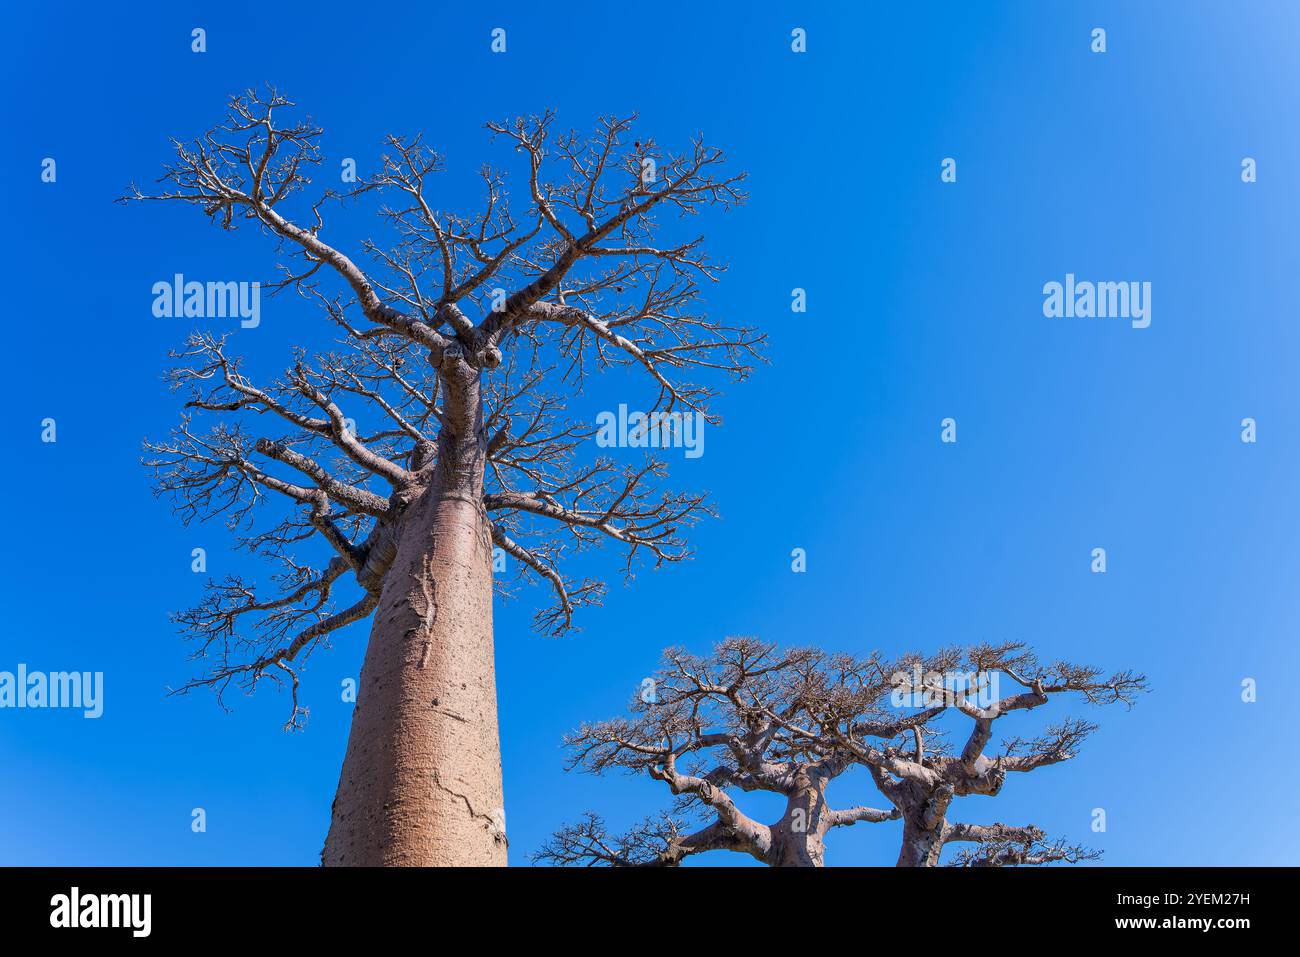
(422, 455)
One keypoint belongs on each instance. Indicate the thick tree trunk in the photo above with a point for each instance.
(421, 781)
(798, 840)
(797, 850)
(921, 845)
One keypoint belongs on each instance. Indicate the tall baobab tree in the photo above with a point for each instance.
(458, 342)
(751, 718)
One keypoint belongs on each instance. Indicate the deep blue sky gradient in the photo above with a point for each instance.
(924, 302)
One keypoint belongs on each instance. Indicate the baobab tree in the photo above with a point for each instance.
(751, 718)
(435, 428)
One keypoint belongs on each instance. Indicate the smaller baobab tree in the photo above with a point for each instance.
(751, 718)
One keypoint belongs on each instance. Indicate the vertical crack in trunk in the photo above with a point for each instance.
(421, 779)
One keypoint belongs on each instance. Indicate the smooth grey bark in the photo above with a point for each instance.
(798, 839)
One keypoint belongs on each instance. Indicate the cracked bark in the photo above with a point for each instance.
(421, 780)
(427, 699)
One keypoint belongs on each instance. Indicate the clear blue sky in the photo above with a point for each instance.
(924, 302)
